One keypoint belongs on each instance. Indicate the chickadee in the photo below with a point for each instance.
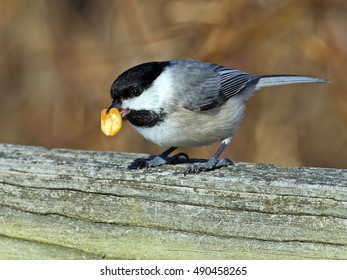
(188, 103)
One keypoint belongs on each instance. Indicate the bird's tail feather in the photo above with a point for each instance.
(277, 80)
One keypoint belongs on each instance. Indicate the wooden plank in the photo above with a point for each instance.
(57, 203)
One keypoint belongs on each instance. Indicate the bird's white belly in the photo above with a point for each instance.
(184, 128)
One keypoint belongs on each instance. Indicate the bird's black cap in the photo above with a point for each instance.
(135, 80)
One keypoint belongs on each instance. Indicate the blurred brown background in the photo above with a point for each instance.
(59, 58)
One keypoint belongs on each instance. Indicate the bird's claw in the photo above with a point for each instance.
(139, 163)
(208, 165)
(146, 163)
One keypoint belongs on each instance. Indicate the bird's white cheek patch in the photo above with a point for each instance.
(155, 97)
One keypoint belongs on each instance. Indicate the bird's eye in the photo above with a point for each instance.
(135, 91)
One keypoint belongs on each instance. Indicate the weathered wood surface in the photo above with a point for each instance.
(68, 204)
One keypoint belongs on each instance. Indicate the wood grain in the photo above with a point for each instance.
(73, 204)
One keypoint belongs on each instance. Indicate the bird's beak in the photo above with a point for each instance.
(123, 111)
(114, 104)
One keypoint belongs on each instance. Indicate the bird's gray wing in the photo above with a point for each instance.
(215, 86)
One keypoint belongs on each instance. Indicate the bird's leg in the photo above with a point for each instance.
(161, 159)
(213, 162)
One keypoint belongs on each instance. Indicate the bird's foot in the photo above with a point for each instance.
(161, 159)
(211, 164)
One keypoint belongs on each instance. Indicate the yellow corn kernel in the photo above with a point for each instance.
(111, 122)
